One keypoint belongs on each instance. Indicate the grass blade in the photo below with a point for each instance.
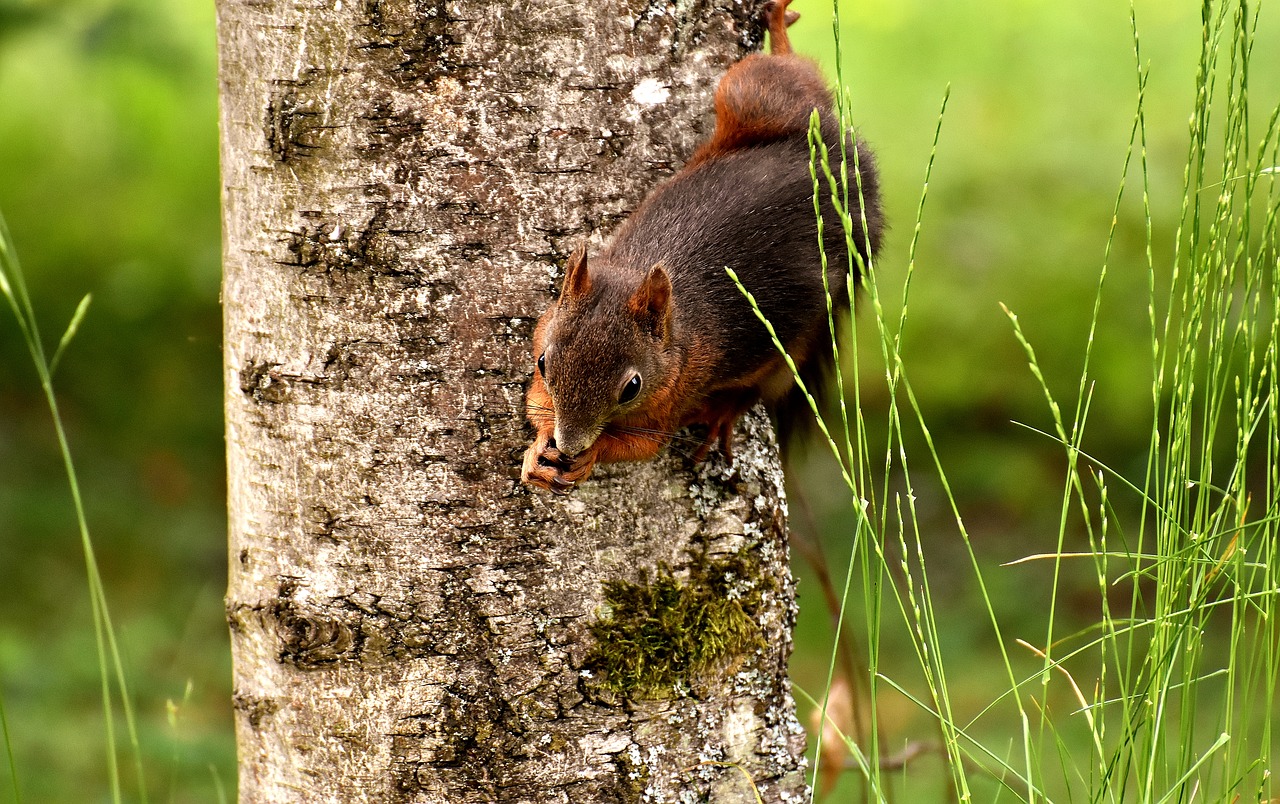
(8, 748)
(72, 328)
(110, 664)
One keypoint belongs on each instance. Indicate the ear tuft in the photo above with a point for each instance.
(577, 279)
(651, 303)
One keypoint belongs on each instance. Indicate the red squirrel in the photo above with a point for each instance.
(652, 335)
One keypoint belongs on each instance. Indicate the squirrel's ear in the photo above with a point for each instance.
(577, 280)
(651, 303)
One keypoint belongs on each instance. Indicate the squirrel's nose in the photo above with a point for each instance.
(572, 440)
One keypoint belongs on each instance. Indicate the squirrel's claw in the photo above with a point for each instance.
(539, 467)
(554, 458)
(580, 467)
(561, 486)
(771, 9)
(546, 477)
(549, 468)
(720, 430)
(726, 441)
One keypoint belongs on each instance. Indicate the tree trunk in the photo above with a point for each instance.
(403, 180)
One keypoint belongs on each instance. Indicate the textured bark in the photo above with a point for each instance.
(403, 180)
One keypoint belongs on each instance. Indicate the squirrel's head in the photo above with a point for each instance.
(604, 349)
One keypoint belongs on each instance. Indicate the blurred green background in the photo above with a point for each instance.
(109, 182)
(108, 178)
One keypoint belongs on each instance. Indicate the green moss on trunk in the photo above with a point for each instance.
(664, 637)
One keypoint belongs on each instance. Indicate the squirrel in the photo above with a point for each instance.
(653, 335)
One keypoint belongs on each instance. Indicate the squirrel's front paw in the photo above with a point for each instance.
(549, 468)
(578, 468)
(544, 466)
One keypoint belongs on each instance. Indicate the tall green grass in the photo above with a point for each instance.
(110, 667)
(1170, 694)
(1182, 704)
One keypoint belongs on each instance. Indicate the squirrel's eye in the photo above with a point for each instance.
(630, 390)
(542, 364)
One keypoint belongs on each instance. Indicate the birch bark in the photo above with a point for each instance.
(403, 180)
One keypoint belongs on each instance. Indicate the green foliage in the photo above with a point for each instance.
(108, 178)
(1159, 685)
(662, 637)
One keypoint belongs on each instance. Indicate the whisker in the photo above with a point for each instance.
(681, 444)
(686, 446)
(647, 437)
(665, 433)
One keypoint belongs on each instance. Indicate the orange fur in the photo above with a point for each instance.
(779, 19)
(756, 100)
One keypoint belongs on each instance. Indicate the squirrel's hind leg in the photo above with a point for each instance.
(777, 19)
(720, 414)
(762, 99)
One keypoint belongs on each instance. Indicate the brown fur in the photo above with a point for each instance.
(657, 304)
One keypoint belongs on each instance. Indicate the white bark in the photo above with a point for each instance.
(402, 182)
